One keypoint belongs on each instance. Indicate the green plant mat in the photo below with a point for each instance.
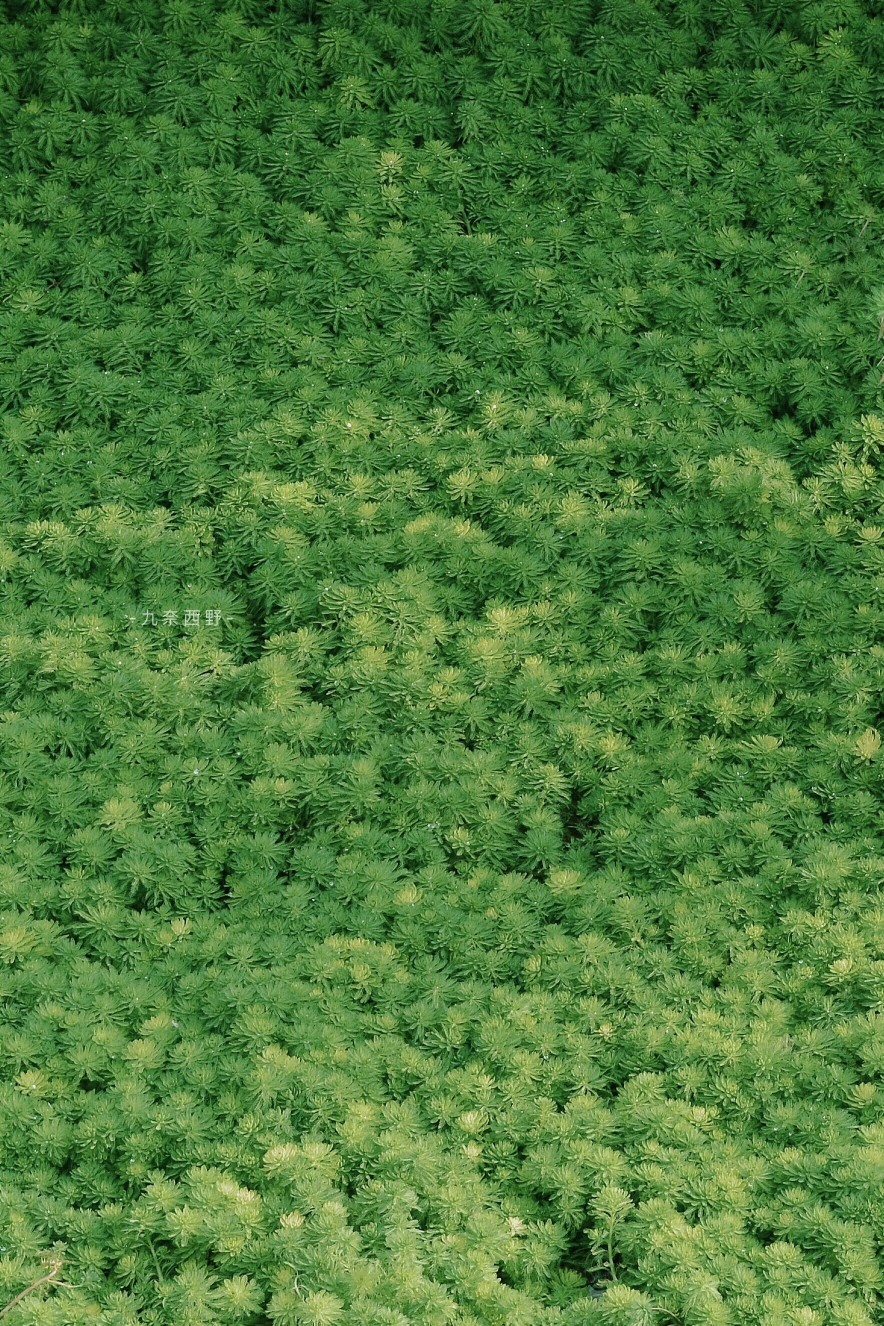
(441, 536)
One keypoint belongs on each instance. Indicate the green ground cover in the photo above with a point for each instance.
(441, 550)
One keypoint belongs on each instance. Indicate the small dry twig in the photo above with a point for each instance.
(49, 1278)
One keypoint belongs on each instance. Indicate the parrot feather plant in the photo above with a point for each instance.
(440, 657)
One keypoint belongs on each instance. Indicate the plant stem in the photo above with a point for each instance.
(154, 1258)
(611, 1252)
(44, 1279)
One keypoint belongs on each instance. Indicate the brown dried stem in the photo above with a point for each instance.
(49, 1278)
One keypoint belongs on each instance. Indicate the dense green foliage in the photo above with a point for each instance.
(477, 920)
